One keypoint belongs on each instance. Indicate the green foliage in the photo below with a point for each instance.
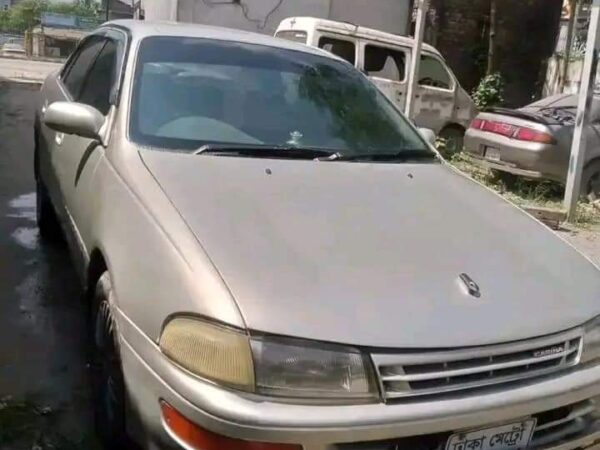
(524, 192)
(490, 91)
(27, 14)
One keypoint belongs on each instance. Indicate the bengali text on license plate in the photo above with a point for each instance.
(514, 436)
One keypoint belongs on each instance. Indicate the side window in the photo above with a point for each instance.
(344, 49)
(98, 85)
(75, 74)
(433, 73)
(385, 63)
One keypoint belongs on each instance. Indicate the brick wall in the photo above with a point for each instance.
(526, 33)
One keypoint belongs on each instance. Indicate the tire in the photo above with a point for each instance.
(590, 181)
(46, 216)
(454, 136)
(108, 382)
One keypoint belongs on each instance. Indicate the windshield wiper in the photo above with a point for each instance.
(402, 156)
(263, 151)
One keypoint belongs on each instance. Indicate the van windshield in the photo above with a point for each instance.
(192, 92)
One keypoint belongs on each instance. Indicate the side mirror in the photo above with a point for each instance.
(74, 118)
(428, 135)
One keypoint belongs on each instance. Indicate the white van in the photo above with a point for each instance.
(441, 103)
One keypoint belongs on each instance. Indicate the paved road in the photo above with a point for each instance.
(27, 70)
(44, 393)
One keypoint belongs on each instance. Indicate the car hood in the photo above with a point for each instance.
(371, 254)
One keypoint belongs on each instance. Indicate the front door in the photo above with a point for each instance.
(89, 79)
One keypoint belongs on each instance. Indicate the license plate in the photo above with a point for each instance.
(492, 153)
(513, 436)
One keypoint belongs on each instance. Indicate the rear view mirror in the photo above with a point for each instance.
(74, 118)
(428, 135)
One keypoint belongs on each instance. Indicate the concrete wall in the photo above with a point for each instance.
(264, 15)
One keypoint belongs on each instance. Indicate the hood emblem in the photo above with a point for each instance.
(471, 287)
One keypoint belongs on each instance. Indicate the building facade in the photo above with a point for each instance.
(264, 15)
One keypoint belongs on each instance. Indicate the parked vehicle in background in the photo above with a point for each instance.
(276, 260)
(535, 141)
(13, 46)
(441, 103)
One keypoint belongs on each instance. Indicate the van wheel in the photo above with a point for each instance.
(45, 215)
(454, 136)
(107, 373)
(590, 181)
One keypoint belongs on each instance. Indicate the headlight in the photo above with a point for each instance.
(288, 368)
(211, 351)
(591, 341)
(291, 368)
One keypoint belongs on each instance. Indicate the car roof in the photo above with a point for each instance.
(350, 29)
(141, 29)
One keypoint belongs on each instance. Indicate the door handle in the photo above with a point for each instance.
(59, 138)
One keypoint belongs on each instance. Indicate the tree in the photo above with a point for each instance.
(27, 14)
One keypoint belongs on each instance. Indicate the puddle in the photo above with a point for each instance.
(24, 207)
(26, 237)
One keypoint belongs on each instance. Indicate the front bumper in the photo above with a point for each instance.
(331, 427)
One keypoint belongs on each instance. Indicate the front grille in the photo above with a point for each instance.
(430, 373)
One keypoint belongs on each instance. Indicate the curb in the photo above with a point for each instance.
(24, 58)
(22, 82)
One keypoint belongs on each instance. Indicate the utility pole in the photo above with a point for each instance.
(413, 79)
(107, 2)
(586, 94)
(492, 38)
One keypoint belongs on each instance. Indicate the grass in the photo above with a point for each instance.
(27, 425)
(527, 193)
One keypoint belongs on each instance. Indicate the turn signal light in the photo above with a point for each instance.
(198, 438)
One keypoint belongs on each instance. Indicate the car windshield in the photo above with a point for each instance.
(192, 92)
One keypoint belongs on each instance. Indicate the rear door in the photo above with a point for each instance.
(435, 98)
(386, 67)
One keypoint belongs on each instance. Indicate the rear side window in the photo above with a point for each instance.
(98, 85)
(344, 49)
(385, 63)
(295, 36)
(74, 75)
(433, 73)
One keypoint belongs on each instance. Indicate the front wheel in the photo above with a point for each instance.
(454, 136)
(107, 377)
